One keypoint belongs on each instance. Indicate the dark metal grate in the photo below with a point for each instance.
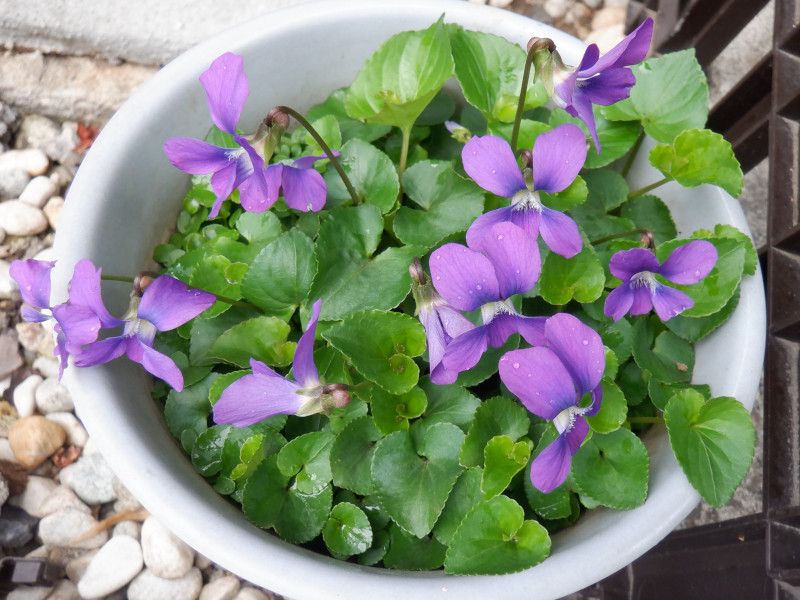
(757, 556)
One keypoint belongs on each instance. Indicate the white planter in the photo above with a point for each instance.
(126, 193)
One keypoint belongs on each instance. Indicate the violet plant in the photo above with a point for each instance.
(362, 382)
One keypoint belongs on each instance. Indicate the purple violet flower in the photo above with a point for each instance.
(640, 291)
(303, 187)
(603, 80)
(77, 322)
(264, 393)
(469, 280)
(227, 88)
(164, 305)
(557, 157)
(551, 380)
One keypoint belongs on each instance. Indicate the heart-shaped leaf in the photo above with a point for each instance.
(347, 530)
(261, 338)
(351, 456)
(503, 459)
(666, 356)
(496, 416)
(307, 459)
(370, 171)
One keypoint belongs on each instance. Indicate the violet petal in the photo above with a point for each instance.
(642, 299)
(223, 182)
(254, 398)
(80, 326)
(669, 302)
(84, 290)
(102, 351)
(515, 257)
(690, 263)
(579, 348)
(463, 277)
(490, 162)
(481, 226)
(539, 379)
(627, 263)
(168, 303)
(303, 189)
(576, 434)
(560, 233)
(197, 157)
(558, 157)
(33, 278)
(227, 89)
(466, 350)
(630, 51)
(303, 367)
(551, 467)
(618, 302)
(161, 366)
(608, 87)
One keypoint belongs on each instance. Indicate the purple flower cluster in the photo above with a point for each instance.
(165, 304)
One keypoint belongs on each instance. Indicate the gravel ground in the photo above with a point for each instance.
(59, 499)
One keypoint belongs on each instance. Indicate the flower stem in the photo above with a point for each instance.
(318, 138)
(522, 94)
(404, 151)
(105, 277)
(615, 236)
(632, 154)
(647, 188)
(653, 420)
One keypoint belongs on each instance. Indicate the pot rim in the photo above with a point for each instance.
(130, 431)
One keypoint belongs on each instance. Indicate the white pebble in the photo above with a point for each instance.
(148, 586)
(224, 588)
(52, 396)
(91, 479)
(164, 553)
(6, 453)
(52, 210)
(13, 182)
(76, 433)
(556, 8)
(30, 593)
(2, 235)
(77, 566)
(63, 528)
(114, 566)
(25, 395)
(19, 218)
(31, 160)
(64, 590)
(36, 492)
(9, 290)
(38, 191)
(251, 593)
(48, 367)
(62, 497)
(131, 528)
(125, 500)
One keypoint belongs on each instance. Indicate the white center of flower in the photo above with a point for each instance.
(644, 278)
(491, 309)
(526, 200)
(234, 154)
(565, 420)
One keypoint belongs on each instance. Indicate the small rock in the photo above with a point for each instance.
(35, 337)
(35, 494)
(64, 590)
(65, 527)
(9, 290)
(39, 552)
(125, 500)
(52, 396)
(10, 357)
(19, 218)
(556, 8)
(17, 527)
(224, 588)
(202, 562)
(131, 528)
(164, 554)
(607, 38)
(13, 182)
(47, 367)
(148, 585)
(91, 478)
(52, 210)
(116, 564)
(251, 593)
(36, 131)
(38, 191)
(608, 17)
(31, 160)
(25, 592)
(76, 566)
(501, 3)
(61, 497)
(25, 395)
(593, 4)
(34, 439)
(76, 433)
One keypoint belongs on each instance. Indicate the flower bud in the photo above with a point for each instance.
(648, 239)
(277, 117)
(416, 271)
(142, 281)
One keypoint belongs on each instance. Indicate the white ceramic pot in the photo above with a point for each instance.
(126, 193)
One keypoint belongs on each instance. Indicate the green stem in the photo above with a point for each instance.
(328, 152)
(522, 94)
(404, 151)
(105, 277)
(654, 420)
(615, 236)
(632, 154)
(647, 188)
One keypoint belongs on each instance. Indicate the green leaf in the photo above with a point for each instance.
(552, 506)
(328, 129)
(280, 276)
(496, 416)
(380, 545)
(213, 274)
(370, 171)
(661, 393)
(351, 455)
(204, 332)
(392, 412)
(570, 197)
(350, 128)
(188, 410)
(607, 190)
(528, 131)
(578, 278)
(349, 278)
(261, 338)
(694, 328)
(401, 77)
(465, 496)
(449, 204)
(347, 531)
(307, 459)
(380, 345)
(412, 554)
(489, 70)
(502, 460)
(670, 96)
(649, 212)
(494, 539)
(666, 356)
(612, 469)
(713, 441)
(413, 477)
(728, 231)
(613, 409)
(714, 291)
(449, 404)
(700, 156)
(259, 228)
